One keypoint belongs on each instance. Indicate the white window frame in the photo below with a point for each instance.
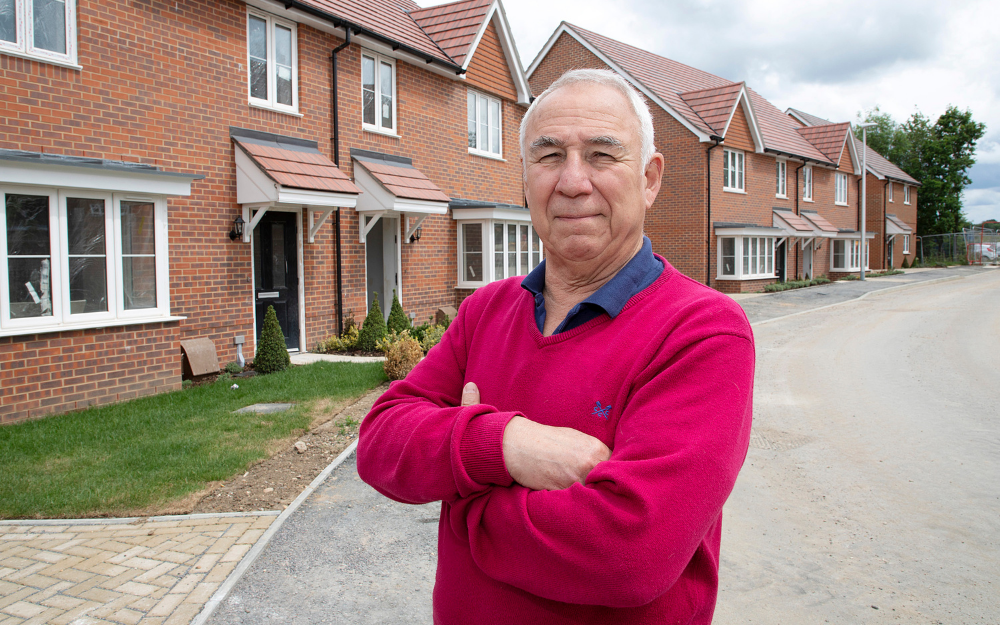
(851, 254)
(906, 244)
(733, 171)
(272, 90)
(24, 46)
(889, 191)
(781, 182)
(489, 271)
(807, 184)
(377, 127)
(841, 192)
(489, 151)
(906, 194)
(62, 317)
(754, 254)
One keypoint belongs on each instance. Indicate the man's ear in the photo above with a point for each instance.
(654, 177)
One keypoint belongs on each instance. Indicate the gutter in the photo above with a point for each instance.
(885, 230)
(334, 91)
(798, 195)
(708, 196)
(361, 30)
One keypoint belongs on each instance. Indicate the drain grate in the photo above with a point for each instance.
(773, 440)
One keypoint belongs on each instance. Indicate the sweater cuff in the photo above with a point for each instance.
(482, 449)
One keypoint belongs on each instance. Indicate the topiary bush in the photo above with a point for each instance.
(373, 329)
(272, 354)
(397, 318)
(401, 357)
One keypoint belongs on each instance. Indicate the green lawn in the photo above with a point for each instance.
(128, 456)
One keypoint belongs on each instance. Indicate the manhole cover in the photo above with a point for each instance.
(773, 440)
(265, 408)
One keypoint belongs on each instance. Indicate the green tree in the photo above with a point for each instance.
(397, 318)
(373, 330)
(272, 354)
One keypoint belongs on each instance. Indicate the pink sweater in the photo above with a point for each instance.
(667, 386)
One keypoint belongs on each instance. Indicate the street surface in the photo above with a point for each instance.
(871, 492)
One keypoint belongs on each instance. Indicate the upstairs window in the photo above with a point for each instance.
(807, 184)
(732, 170)
(781, 180)
(44, 30)
(841, 189)
(378, 93)
(888, 191)
(485, 128)
(906, 194)
(272, 62)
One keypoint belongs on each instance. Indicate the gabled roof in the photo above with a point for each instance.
(895, 225)
(679, 89)
(806, 118)
(454, 27)
(296, 164)
(399, 177)
(792, 224)
(883, 168)
(819, 221)
(829, 139)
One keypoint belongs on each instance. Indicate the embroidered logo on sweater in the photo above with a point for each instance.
(601, 412)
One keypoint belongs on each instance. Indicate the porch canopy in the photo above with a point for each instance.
(894, 225)
(275, 170)
(806, 228)
(393, 187)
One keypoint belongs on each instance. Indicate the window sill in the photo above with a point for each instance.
(274, 109)
(489, 155)
(906, 203)
(470, 285)
(840, 203)
(745, 278)
(811, 201)
(104, 323)
(780, 197)
(42, 59)
(734, 191)
(379, 131)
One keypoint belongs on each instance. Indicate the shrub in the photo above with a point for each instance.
(794, 284)
(401, 357)
(432, 336)
(905, 264)
(373, 329)
(272, 355)
(398, 321)
(346, 342)
(417, 332)
(390, 339)
(232, 368)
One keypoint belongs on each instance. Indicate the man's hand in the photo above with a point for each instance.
(542, 457)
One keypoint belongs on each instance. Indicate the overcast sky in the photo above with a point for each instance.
(831, 59)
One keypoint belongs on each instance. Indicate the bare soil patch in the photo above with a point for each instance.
(274, 483)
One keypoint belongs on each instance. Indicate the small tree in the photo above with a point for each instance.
(373, 329)
(272, 354)
(397, 318)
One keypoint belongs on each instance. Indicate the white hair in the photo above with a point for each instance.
(605, 78)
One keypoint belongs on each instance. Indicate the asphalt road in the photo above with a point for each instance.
(872, 479)
(871, 493)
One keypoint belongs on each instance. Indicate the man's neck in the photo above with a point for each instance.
(567, 284)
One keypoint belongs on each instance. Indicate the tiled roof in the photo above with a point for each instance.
(669, 79)
(810, 120)
(899, 223)
(794, 223)
(453, 26)
(714, 106)
(297, 167)
(883, 166)
(828, 138)
(388, 18)
(819, 221)
(403, 180)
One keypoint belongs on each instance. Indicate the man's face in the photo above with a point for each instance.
(585, 184)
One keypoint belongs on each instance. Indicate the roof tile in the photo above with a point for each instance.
(820, 221)
(298, 168)
(404, 181)
(453, 27)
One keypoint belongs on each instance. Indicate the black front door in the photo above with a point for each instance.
(276, 273)
(779, 262)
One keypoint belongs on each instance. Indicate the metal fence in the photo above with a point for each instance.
(974, 246)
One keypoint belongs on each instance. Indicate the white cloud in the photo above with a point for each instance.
(981, 204)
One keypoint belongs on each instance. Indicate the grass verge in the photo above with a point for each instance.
(104, 461)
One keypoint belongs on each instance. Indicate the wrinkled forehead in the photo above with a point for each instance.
(584, 105)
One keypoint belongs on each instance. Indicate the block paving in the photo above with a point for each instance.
(150, 571)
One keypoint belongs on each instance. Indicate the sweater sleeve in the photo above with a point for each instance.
(625, 537)
(419, 445)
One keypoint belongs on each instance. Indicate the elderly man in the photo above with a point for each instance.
(582, 427)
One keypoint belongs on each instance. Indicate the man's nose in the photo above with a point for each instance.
(574, 177)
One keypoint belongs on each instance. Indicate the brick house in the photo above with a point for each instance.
(891, 209)
(750, 195)
(361, 146)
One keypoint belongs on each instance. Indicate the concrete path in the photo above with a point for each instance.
(125, 571)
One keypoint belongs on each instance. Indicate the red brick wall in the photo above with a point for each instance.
(161, 84)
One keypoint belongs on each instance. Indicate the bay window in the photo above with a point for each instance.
(746, 257)
(491, 250)
(846, 255)
(75, 258)
(44, 30)
(272, 62)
